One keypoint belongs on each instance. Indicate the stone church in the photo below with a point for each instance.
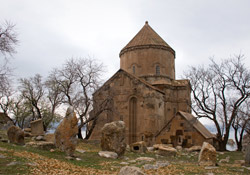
(146, 96)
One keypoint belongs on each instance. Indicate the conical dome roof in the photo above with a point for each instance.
(146, 38)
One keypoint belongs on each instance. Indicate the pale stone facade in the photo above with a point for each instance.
(144, 91)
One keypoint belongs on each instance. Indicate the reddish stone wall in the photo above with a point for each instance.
(180, 132)
(145, 61)
(149, 106)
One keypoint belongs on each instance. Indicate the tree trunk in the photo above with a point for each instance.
(222, 146)
(239, 146)
(239, 142)
(79, 133)
(88, 134)
(45, 127)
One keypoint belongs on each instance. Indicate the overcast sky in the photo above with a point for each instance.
(51, 31)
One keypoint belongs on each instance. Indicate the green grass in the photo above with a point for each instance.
(20, 168)
(234, 155)
(183, 163)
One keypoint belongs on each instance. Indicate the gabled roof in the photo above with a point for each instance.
(193, 122)
(196, 124)
(147, 37)
(131, 76)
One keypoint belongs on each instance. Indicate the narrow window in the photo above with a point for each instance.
(157, 70)
(179, 139)
(133, 69)
(121, 117)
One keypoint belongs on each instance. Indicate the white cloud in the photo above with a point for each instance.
(52, 31)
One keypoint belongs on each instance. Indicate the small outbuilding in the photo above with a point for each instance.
(184, 130)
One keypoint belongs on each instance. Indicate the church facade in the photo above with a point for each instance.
(147, 97)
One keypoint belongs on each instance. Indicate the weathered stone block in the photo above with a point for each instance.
(166, 151)
(42, 145)
(247, 156)
(194, 148)
(113, 137)
(37, 127)
(131, 170)
(108, 154)
(15, 135)
(207, 155)
(65, 134)
(27, 129)
(139, 147)
(245, 142)
(50, 137)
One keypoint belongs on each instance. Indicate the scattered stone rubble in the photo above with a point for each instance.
(226, 160)
(138, 147)
(165, 149)
(108, 154)
(131, 170)
(194, 148)
(41, 145)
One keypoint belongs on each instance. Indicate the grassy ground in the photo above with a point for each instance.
(28, 160)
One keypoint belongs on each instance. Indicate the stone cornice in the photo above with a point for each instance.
(127, 49)
(155, 76)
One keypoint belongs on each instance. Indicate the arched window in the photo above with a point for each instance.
(133, 69)
(157, 70)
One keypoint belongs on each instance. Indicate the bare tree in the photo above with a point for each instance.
(8, 41)
(8, 38)
(6, 93)
(101, 105)
(54, 94)
(6, 90)
(43, 98)
(247, 129)
(78, 79)
(32, 90)
(218, 91)
(65, 79)
(240, 123)
(21, 111)
(6, 98)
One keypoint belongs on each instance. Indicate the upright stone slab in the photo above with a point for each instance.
(247, 156)
(207, 155)
(245, 142)
(113, 137)
(15, 135)
(65, 134)
(37, 127)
